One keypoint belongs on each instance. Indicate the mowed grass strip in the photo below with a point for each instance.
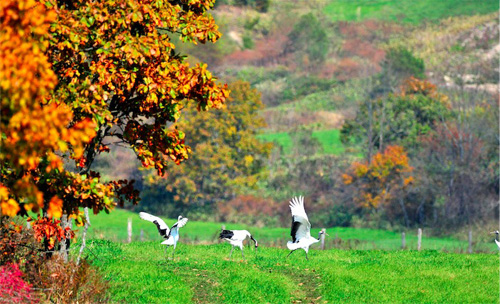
(139, 273)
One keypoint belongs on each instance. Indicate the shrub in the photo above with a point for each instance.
(13, 289)
(31, 268)
(66, 282)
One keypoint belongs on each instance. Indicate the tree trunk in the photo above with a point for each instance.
(64, 245)
(84, 235)
(370, 132)
(405, 213)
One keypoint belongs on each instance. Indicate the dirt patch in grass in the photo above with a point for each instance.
(308, 282)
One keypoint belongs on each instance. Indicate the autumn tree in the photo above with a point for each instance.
(382, 181)
(458, 164)
(398, 118)
(80, 76)
(227, 156)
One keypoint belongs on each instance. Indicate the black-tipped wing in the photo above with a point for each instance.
(300, 222)
(180, 223)
(226, 234)
(160, 224)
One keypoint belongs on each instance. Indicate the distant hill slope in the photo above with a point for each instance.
(297, 92)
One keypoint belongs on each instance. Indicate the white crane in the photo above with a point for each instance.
(171, 235)
(497, 233)
(236, 238)
(301, 228)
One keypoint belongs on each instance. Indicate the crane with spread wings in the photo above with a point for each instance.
(171, 235)
(301, 228)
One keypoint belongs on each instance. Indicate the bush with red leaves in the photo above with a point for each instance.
(13, 289)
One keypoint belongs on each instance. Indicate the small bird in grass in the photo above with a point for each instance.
(236, 238)
(497, 233)
(301, 228)
(171, 235)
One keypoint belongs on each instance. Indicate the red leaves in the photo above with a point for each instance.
(13, 287)
(50, 230)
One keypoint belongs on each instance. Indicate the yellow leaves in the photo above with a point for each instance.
(360, 169)
(4, 193)
(79, 218)
(248, 159)
(10, 207)
(55, 207)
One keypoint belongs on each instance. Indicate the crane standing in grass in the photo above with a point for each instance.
(301, 228)
(236, 238)
(171, 235)
(497, 233)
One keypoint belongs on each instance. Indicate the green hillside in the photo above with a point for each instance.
(407, 10)
(329, 140)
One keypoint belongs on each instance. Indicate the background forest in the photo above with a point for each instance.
(383, 115)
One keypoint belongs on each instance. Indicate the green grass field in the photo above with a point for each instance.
(113, 227)
(329, 140)
(139, 273)
(407, 10)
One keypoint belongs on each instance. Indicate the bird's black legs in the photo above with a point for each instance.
(307, 258)
(289, 253)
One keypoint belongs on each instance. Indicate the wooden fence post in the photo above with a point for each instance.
(403, 240)
(419, 242)
(129, 230)
(469, 250)
(323, 239)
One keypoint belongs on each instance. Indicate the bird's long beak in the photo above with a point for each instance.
(327, 234)
(493, 232)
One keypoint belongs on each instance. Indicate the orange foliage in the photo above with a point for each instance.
(50, 230)
(386, 173)
(31, 130)
(413, 86)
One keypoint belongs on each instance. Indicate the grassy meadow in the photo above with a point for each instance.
(201, 272)
(139, 273)
(113, 227)
(407, 10)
